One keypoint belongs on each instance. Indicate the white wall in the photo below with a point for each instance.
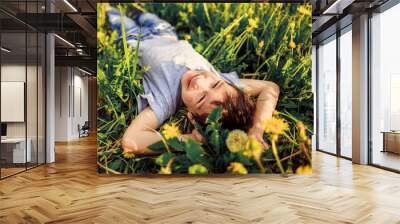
(314, 86)
(71, 93)
(62, 81)
(33, 127)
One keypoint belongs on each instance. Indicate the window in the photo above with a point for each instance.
(327, 96)
(385, 89)
(346, 93)
(22, 76)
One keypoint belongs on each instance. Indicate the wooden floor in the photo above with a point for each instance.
(387, 159)
(70, 191)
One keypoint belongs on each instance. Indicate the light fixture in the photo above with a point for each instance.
(337, 7)
(70, 5)
(84, 71)
(64, 40)
(80, 51)
(5, 50)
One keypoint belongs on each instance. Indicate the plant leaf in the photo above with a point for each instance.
(163, 159)
(176, 144)
(194, 151)
(157, 147)
(215, 115)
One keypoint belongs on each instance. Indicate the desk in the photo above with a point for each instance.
(391, 141)
(13, 150)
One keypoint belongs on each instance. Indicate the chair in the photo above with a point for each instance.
(84, 130)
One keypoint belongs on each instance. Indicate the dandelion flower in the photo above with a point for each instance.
(197, 169)
(165, 170)
(304, 170)
(250, 12)
(261, 44)
(229, 37)
(170, 131)
(255, 147)
(187, 37)
(168, 168)
(292, 44)
(302, 131)
(247, 153)
(183, 15)
(236, 140)
(275, 126)
(253, 23)
(190, 8)
(128, 155)
(304, 10)
(237, 168)
(292, 25)
(109, 111)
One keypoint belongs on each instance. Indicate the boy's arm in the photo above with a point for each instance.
(141, 133)
(267, 94)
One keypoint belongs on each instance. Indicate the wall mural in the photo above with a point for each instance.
(204, 88)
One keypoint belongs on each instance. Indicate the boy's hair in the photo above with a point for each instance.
(237, 112)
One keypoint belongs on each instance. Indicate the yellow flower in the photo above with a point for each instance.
(275, 126)
(304, 10)
(292, 25)
(170, 131)
(190, 8)
(236, 140)
(237, 168)
(229, 37)
(128, 155)
(253, 149)
(165, 170)
(253, 23)
(168, 168)
(247, 153)
(197, 169)
(302, 131)
(109, 111)
(187, 37)
(261, 44)
(250, 12)
(304, 169)
(183, 16)
(292, 44)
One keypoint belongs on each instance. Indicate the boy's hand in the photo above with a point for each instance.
(197, 136)
(195, 133)
(257, 132)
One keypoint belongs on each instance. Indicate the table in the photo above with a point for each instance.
(391, 141)
(13, 150)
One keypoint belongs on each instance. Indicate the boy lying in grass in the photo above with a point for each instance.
(179, 77)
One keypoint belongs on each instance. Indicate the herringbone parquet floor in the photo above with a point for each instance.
(70, 191)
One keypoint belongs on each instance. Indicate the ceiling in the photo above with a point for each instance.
(72, 20)
(332, 15)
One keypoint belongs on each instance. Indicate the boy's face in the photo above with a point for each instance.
(202, 91)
